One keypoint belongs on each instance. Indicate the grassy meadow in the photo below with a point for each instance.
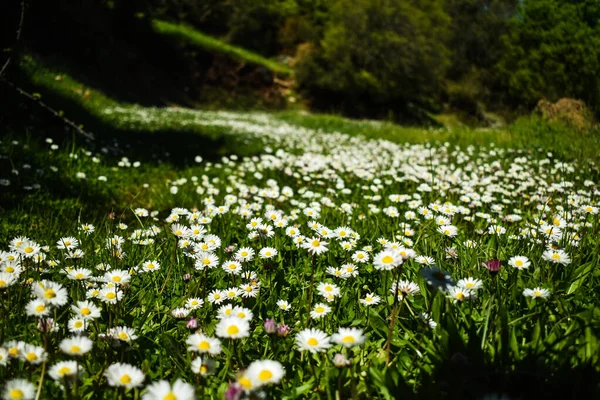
(188, 253)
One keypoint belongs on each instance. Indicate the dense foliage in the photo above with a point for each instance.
(383, 58)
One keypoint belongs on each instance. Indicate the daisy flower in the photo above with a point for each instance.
(64, 370)
(122, 333)
(313, 340)
(459, 294)
(18, 389)
(77, 325)
(203, 344)
(264, 372)
(326, 289)
(370, 299)
(163, 390)
(386, 260)
(193, 303)
(76, 345)
(233, 328)
(33, 354)
(315, 246)
(216, 296)
(202, 367)
(86, 310)
(448, 230)
(7, 280)
(67, 243)
(267, 252)
(537, 292)
(232, 267)
(51, 292)
(244, 254)
(117, 276)
(348, 337)
(283, 305)
(404, 288)
(320, 310)
(37, 308)
(470, 283)
(151, 266)
(360, 257)
(124, 375)
(519, 262)
(556, 256)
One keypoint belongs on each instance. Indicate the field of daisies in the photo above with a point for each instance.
(323, 266)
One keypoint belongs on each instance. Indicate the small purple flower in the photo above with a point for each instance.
(192, 323)
(492, 265)
(187, 277)
(234, 392)
(270, 326)
(283, 330)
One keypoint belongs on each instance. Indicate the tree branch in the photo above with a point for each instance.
(19, 29)
(67, 121)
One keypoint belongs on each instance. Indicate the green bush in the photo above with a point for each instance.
(377, 57)
(553, 51)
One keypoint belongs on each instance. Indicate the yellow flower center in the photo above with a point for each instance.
(387, 259)
(64, 371)
(123, 336)
(16, 394)
(316, 243)
(348, 339)
(28, 250)
(537, 293)
(460, 295)
(2, 283)
(469, 284)
(49, 294)
(245, 383)
(217, 296)
(110, 295)
(125, 379)
(31, 357)
(150, 266)
(241, 315)
(519, 263)
(265, 375)
(79, 276)
(319, 309)
(369, 299)
(556, 256)
(75, 349)
(86, 311)
(232, 266)
(312, 342)
(170, 396)
(328, 288)
(233, 330)
(10, 270)
(116, 279)
(204, 345)
(40, 308)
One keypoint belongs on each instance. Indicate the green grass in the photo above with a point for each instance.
(212, 44)
(527, 133)
(355, 173)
